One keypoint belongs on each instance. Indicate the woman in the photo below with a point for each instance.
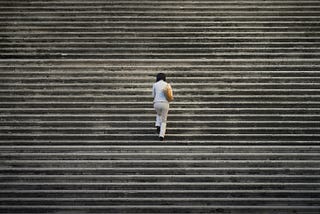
(161, 104)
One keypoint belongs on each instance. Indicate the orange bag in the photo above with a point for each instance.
(168, 93)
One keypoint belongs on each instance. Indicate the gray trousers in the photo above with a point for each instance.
(162, 109)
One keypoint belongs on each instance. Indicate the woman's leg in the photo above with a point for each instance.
(158, 120)
(158, 117)
(164, 115)
(158, 123)
(162, 110)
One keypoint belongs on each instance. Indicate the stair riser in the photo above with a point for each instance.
(163, 163)
(155, 202)
(156, 187)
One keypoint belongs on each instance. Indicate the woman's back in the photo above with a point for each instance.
(158, 91)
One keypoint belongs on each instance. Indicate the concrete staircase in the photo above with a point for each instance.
(77, 123)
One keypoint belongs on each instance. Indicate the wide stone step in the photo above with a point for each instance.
(155, 201)
(217, 104)
(160, 53)
(89, 118)
(178, 68)
(144, 74)
(271, 163)
(161, 178)
(159, 149)
(157, 186)
(154, 18)
(148, 79)
(61, 54)
(92, 191)
(156, 29)
(185, 93)
(160, 209)
(232, 136)
(160, 2)
(300, 63)
(167, 50)
(168, 5)
(152, 56)
(124, 87)
(155, 171)
(279, 113)
(128, 111)
(173, 23)
(47, 169)
(156, 142)
(17, 125)
(127, 12)
(142, 128)
(75, 98)
(126, 73)
(127, 18)
(171, 130)
(181, 6)
(163, 155)
(241, 41)
(206, 2)
(309, 43)
(156, 39)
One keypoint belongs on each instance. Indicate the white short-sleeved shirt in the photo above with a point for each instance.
(157, 91)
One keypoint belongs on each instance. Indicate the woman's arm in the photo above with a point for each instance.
(153, 91)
